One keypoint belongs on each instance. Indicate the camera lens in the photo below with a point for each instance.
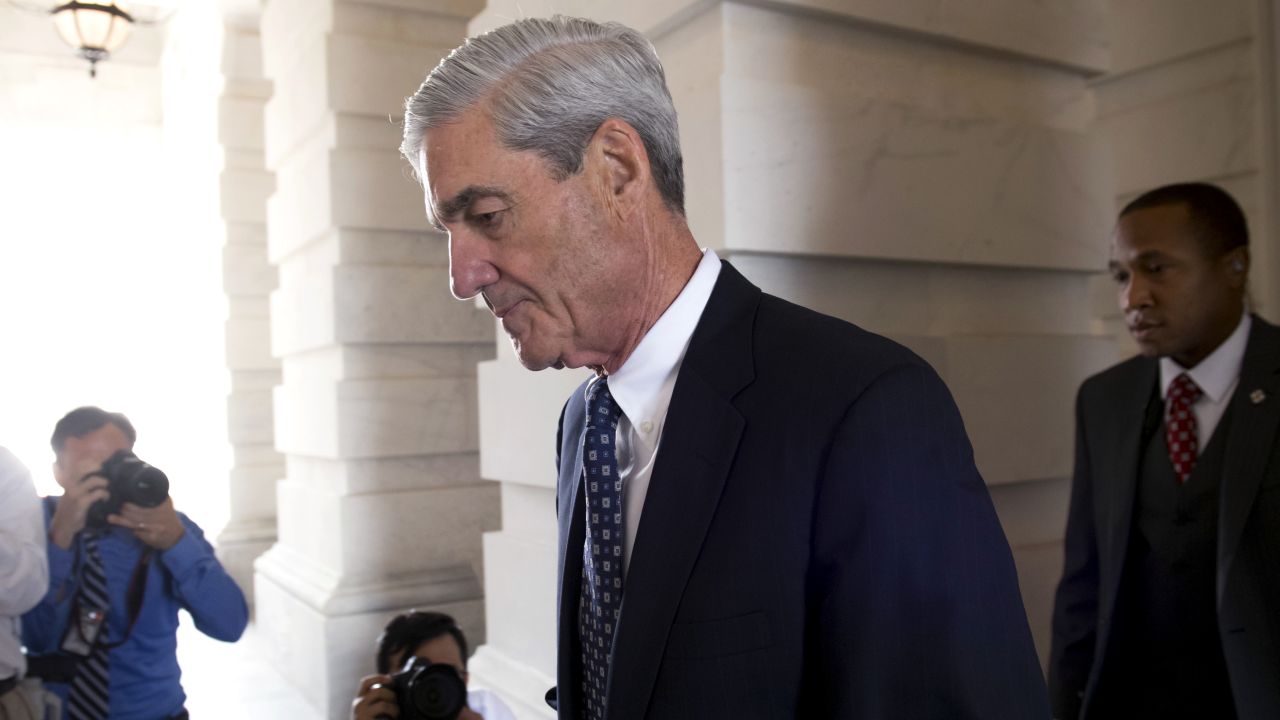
(437, 693)
(137, 482)
(150, 486)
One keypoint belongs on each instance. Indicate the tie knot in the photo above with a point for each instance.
(1184, 389)
(602, 409)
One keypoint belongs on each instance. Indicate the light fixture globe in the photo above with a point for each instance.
(94, 27)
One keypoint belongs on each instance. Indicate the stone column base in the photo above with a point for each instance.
(239, 545)
(320, 629)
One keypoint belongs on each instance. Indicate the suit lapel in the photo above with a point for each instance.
(1130, 423)
(698, 446)
(572, 523)
(1255, 417)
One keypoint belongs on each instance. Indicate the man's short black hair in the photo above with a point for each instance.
(84, 420)
(1216, 215)
(408, 631)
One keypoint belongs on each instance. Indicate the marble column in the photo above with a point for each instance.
(381, 507)
(930, 172)
(248, 280)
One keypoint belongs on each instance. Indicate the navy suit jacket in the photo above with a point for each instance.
(1110, 414)
(816, 541)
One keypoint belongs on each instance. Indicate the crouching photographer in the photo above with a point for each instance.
(122, 562)
(422, 675)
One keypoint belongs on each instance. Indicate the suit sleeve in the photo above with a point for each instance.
(203, 586)
(1075, 609)
(917, 603)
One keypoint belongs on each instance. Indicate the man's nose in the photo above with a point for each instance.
(1135, 295)
(471, 270)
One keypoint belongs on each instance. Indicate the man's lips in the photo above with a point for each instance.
(502, 312)
(1142, 328)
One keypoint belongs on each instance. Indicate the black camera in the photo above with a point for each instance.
(429, 691)
(129, 480)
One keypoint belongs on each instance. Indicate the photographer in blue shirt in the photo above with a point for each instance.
(104, 635)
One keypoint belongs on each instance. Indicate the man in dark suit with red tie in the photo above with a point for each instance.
(1169, 605)
(764, 512)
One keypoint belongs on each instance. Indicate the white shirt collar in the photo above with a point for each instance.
(636, 385)
(1216, 375)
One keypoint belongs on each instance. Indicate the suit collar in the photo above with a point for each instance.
(638, 386)
(699, 444)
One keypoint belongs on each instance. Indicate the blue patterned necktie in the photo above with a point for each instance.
(601, 598)
(88, 697)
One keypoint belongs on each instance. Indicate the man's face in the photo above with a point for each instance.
(1178, 301)
(443, 649)
(543, 253)
(82, 455)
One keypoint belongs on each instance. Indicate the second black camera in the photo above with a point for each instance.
(429, 691)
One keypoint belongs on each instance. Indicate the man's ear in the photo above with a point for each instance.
(1237, 263)
(617, 157)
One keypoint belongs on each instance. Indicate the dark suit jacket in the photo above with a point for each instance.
(1110, 411)
(816, 541)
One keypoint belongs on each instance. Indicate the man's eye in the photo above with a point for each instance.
(1120, 278)
(487, 220)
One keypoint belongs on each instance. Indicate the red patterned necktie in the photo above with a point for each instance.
(1180, 426)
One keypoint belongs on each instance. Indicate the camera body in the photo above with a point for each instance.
(129, 480)
(429, 691)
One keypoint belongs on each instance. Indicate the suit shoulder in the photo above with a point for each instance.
(824, 344)
(1114, 379)
(576, 400)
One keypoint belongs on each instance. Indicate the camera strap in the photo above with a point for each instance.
(133, 598)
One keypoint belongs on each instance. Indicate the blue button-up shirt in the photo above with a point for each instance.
(145, 681)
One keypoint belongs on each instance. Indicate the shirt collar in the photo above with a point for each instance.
(635, 386)
(1216, 374)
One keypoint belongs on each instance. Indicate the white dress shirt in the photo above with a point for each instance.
(642, 388)
(1217, 376)
(24, 572)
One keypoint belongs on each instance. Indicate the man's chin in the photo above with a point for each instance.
(1150, 349)
(532, 360)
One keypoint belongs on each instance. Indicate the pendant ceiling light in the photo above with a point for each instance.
(96, 28)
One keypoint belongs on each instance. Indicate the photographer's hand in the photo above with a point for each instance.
(374, 699)
(73, 507)
(158, 527)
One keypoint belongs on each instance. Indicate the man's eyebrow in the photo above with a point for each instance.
(1142, 257)
(449, 209)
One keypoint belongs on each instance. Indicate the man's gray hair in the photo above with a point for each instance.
(549, 84)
